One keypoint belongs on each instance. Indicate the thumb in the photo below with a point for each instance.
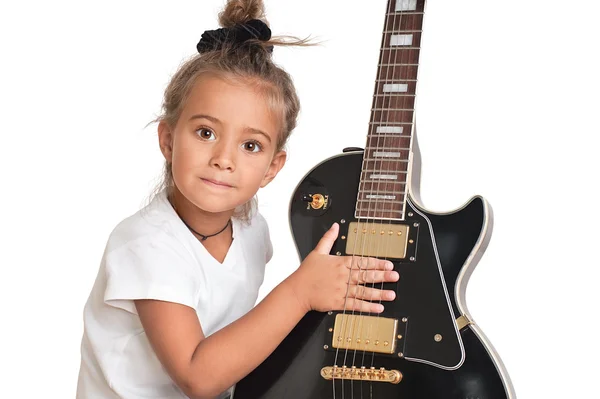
(326, 242)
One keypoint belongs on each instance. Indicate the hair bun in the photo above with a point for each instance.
(254, 29)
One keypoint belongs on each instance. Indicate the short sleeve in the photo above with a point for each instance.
(153, 267)
(267, 239)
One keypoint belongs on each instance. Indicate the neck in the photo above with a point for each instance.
(200, 221)
(386, 163)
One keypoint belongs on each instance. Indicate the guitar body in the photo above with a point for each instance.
(430, 298)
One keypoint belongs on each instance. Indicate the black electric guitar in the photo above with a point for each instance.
(425, 344)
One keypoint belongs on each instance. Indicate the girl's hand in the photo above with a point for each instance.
(325, 282)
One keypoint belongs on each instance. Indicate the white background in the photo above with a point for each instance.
(507, 108)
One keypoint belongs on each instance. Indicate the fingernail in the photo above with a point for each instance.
(389, 266)
(395, 275)
(391, 295)
(379, 308)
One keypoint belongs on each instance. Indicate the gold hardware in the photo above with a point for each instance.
(463, 321)
(393, 245)
(343, 237)
(411, 241)
(399, 336)
(330, 329)
(318, 201)
(367, 327)
(361, 374)
(437, 337)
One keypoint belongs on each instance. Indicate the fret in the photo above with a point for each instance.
(391, 109)
(392, 116)
(373, 130)
(379, 166)
(403, 22)
(410, 87)
(384, 165)
(397, 65)
(379, 214)
(367, 174)
(394, 101)
(396, 72)
(391, 124)
(402, 31)
(381, 198)
(392, 187)
(398, 56)
(387, 150)
(364, 205)
(389, 142)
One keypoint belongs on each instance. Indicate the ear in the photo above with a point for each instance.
(165, 140)
(276, 164)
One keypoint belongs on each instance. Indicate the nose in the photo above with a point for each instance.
(223, 156)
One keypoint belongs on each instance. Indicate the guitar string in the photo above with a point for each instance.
(370, 149)
(404, 62)
(360, 261)
(394, 56)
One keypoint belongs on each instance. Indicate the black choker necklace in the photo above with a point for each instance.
(202, 235)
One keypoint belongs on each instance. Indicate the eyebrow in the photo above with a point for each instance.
(215, 120)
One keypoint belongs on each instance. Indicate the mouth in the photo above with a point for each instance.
(216, 183)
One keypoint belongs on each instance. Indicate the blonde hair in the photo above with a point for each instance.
(250, 62)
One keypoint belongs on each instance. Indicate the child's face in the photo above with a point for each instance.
(223, 147)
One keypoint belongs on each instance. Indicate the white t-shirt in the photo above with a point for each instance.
(153, 255)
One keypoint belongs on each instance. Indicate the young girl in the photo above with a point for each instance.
(171, 312)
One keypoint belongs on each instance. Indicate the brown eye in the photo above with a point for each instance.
(252, 146)
(205, 133)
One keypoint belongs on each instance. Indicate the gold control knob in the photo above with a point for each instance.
(318, 201)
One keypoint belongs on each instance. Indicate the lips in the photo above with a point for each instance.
(216, 183)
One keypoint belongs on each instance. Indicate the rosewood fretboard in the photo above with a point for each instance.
(383, 184)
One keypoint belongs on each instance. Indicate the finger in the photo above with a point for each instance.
(370, 294)
(373, 276)
(361, 262)
(361, 306)
(326, 242)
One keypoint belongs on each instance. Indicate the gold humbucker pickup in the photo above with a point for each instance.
(381, 240)
(362, 374)
(365, 333)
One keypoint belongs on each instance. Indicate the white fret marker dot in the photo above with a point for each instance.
(395, 88)
(406, 5)
(385, 197)
(383, 177)
(385, 154)
(389, 129)
(401, 40)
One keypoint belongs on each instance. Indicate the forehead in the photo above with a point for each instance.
(234, 101)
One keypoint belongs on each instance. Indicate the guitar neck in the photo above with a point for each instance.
(382, 190)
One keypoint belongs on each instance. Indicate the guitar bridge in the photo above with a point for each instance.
(361, 374)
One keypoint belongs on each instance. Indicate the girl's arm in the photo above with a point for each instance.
(205, 367)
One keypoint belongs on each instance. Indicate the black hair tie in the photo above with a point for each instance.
(238, 34)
